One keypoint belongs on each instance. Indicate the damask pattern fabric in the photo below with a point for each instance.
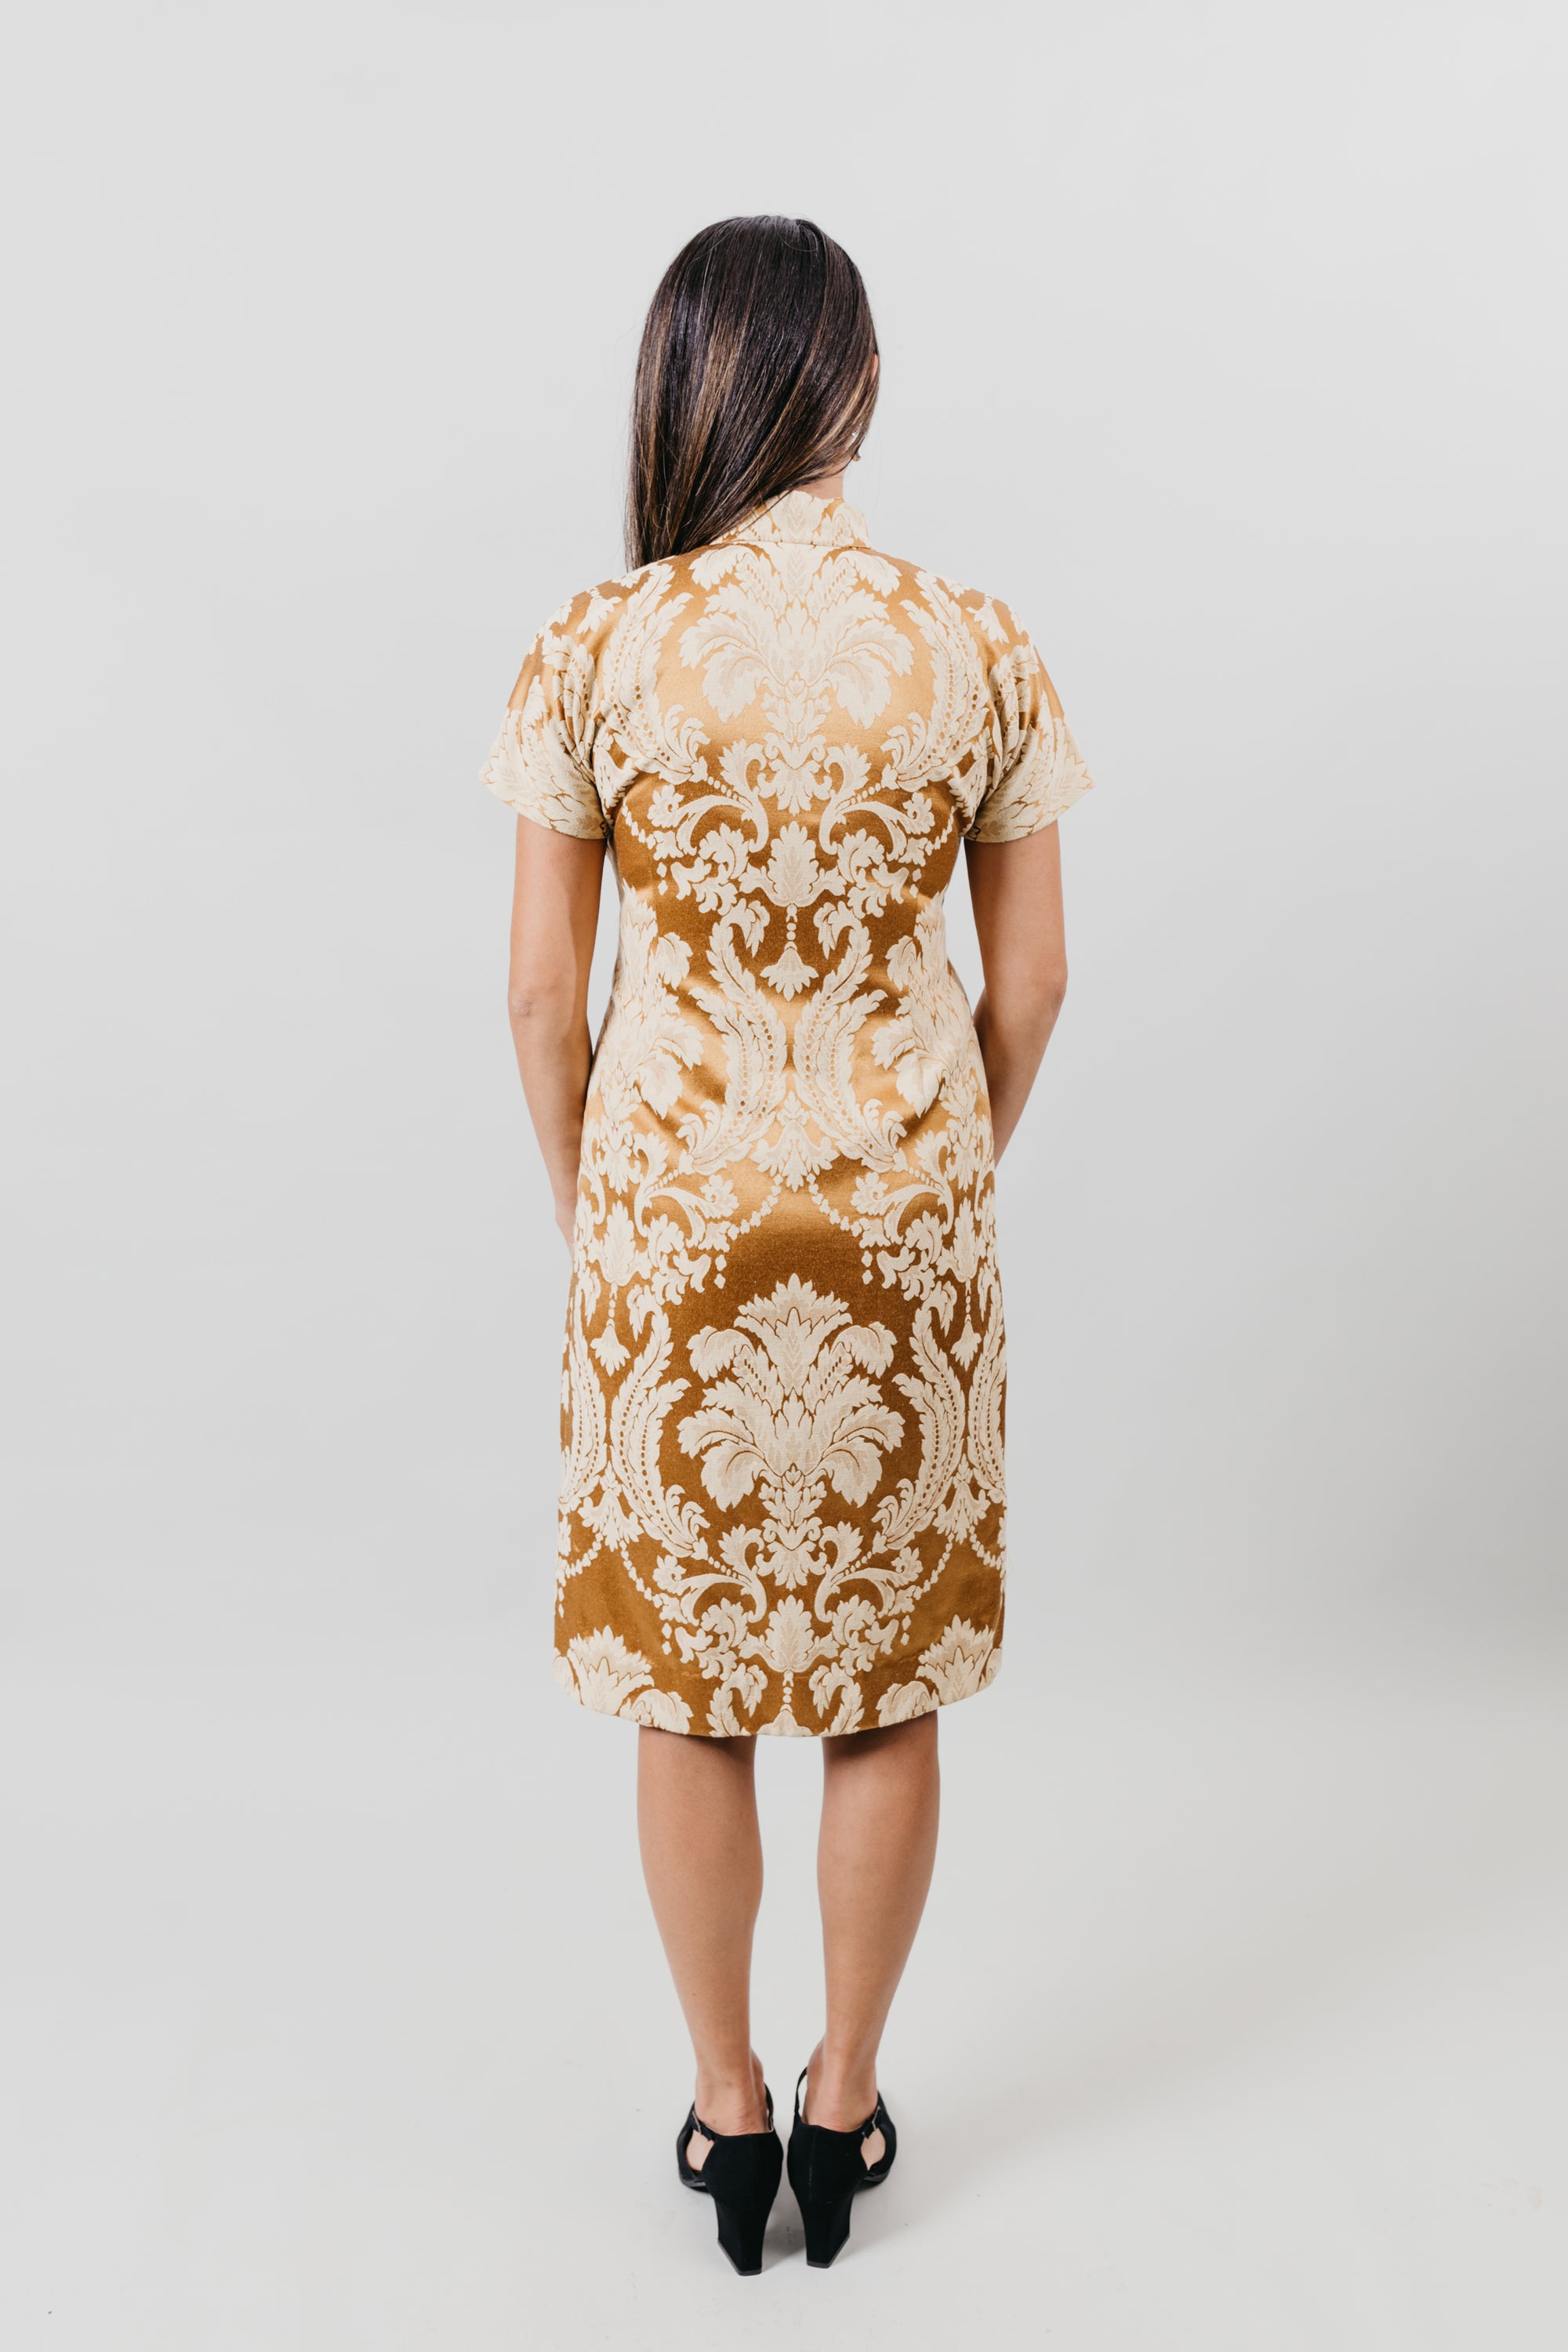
(782, 1503)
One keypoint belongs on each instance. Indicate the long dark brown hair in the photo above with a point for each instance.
(757, 373)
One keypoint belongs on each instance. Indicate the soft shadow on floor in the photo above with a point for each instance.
(1266, 1944)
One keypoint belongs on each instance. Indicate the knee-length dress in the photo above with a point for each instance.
(782, 1501)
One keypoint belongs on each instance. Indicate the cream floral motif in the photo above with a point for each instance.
(782, 1503)
(599, 1669)
(962, 1662)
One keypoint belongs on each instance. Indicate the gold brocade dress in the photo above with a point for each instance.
(782, 1498)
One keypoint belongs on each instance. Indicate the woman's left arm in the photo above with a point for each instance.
(1015, 891)
(554, 915)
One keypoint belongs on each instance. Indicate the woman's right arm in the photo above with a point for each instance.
(1015, 893)
(554, 915)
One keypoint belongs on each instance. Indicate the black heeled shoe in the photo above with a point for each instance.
(826, 2167)
(741, 2173)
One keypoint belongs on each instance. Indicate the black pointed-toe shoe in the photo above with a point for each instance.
(741, 2173)
(826, 2167)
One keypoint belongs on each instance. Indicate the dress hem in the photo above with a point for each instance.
(644, 1707)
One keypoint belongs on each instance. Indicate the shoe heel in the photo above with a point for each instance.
(741, 2229)
(827, 2228)
(740, 2174)
(825, 2169)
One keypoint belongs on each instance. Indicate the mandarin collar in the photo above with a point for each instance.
(800, 520)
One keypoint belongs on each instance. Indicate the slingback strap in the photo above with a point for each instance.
(875, 2121)
(695, 2122)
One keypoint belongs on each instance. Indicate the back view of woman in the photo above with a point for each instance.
(782, 1503)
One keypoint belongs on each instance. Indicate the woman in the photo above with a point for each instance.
(782, 1498)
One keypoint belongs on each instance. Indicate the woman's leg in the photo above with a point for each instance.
(879, 1803)
(702, 1860)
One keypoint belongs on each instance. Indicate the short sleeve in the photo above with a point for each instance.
(541, 763)
(1035, 771)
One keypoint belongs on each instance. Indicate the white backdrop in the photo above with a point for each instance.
(1222, 341)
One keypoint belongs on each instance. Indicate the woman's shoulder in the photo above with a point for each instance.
(985, 617)
(583, 622)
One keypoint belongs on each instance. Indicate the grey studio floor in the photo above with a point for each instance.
(336, 2020)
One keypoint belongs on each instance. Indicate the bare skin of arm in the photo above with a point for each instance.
(1016, 890)
(554, 915)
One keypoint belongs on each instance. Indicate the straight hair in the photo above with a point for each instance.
(757, 373)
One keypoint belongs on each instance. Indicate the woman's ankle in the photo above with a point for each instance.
(733, 2099)
(840, 2092)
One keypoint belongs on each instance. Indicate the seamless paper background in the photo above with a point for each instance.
(1218, 341)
